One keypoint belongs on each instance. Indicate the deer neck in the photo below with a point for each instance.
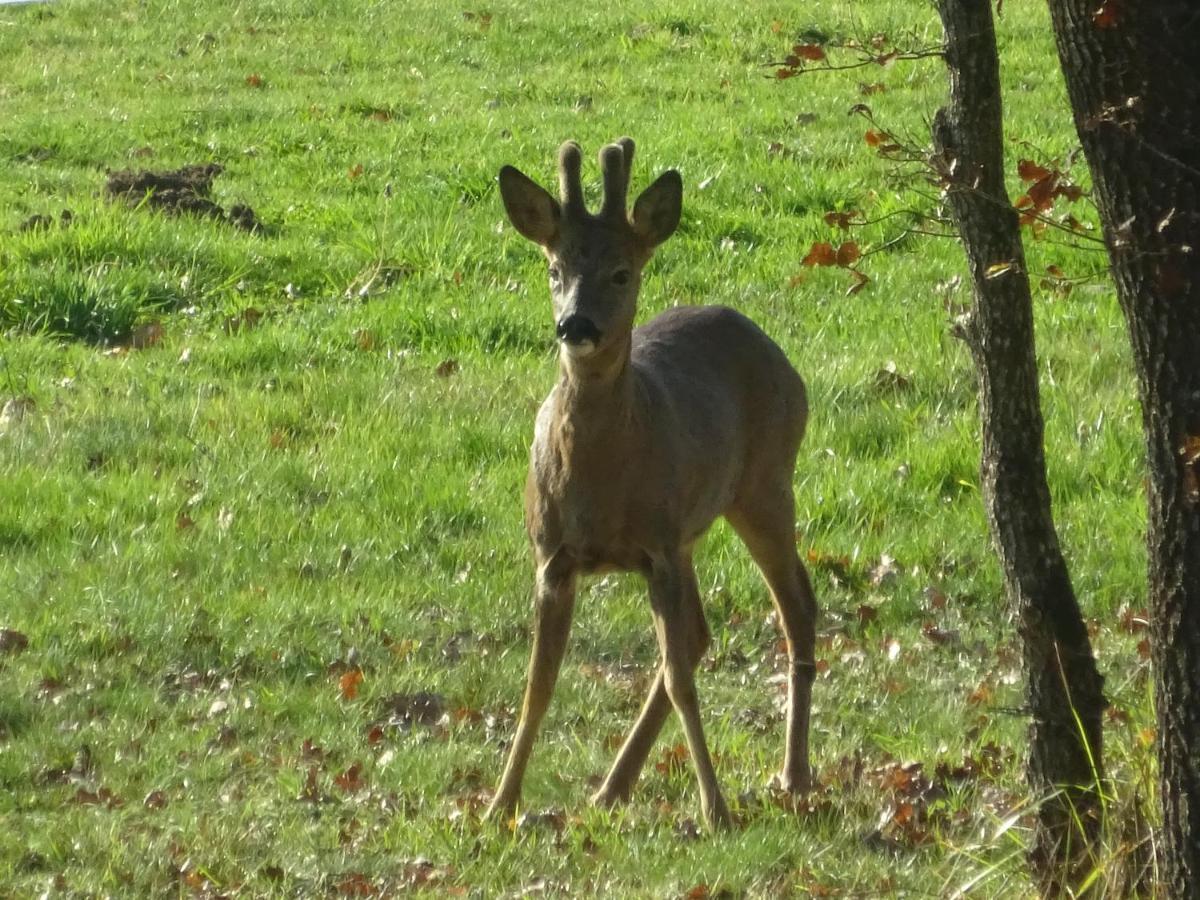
(595, 398)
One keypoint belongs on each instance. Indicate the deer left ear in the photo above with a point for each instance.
(656, 212)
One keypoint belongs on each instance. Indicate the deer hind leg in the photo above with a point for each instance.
(618, 784)
(674, 625)
(554, 604)
(766, 524)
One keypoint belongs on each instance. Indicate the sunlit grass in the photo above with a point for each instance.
(199, 538)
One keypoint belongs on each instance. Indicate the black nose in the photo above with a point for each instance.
(575, 329)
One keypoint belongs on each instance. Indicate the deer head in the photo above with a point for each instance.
(595, 261)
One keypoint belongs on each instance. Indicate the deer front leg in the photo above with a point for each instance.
(618, 784)
(554, 603)
(673, 625)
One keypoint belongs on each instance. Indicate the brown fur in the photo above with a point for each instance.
(649, 435)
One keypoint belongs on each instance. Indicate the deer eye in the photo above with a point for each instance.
(621, 277)
(555, 274)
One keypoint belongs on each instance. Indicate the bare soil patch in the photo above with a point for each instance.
(181, 191)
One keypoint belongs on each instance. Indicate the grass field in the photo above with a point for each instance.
(260, 521)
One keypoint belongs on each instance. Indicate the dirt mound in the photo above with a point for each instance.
(180, 191)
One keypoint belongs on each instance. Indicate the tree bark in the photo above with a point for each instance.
(1065, 691)
(1133, 76)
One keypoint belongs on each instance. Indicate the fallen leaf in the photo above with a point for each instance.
(310, 751)
(350, 781)
(311, 791)
(355, 884)
(981, 696)
(348, 684)
(672, 760)
(155, 800)
(867, 614)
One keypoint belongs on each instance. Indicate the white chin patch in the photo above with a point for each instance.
(578, 351)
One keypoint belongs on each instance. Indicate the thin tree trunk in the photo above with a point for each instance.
(1133, 75)
(1065, 691)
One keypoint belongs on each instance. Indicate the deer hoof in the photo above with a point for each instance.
(718, 817)
(498, 811)
(793, 785)
(612, 794)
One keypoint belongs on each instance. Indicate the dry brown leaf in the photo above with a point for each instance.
(350, 781)
(155, 800)
(348, 684)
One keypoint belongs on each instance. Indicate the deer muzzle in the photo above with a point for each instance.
(578, 332)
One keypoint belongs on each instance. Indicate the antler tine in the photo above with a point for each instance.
(626, 145)
(570, 186)
(616, 162)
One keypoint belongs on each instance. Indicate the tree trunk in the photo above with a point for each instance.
(1133, 75)
(1065, 691)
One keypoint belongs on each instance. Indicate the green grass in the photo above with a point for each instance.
(200, 536)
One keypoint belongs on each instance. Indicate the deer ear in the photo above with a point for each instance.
(532, 211)
(656, 212)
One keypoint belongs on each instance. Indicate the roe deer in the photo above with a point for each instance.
(648, 436)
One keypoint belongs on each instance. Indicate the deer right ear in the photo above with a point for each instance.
(532, 211)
